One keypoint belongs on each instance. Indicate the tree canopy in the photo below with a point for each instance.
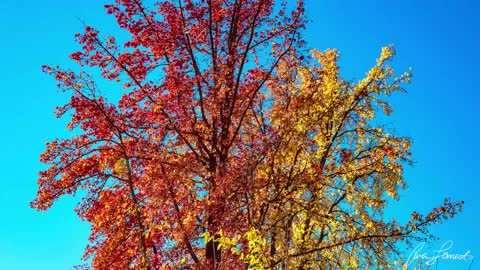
(231, 147)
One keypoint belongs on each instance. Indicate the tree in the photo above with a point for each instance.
(229, 147)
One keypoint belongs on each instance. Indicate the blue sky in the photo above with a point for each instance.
(438, 39)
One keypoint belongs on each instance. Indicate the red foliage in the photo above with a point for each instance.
(172, 158)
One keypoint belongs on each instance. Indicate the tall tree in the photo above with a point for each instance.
(228, 149)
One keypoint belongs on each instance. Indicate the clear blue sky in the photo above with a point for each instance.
(439, 39)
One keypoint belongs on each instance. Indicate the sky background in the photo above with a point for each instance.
(438, 39)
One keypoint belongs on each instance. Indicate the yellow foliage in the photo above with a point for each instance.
(120, 166)
(334, 169)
